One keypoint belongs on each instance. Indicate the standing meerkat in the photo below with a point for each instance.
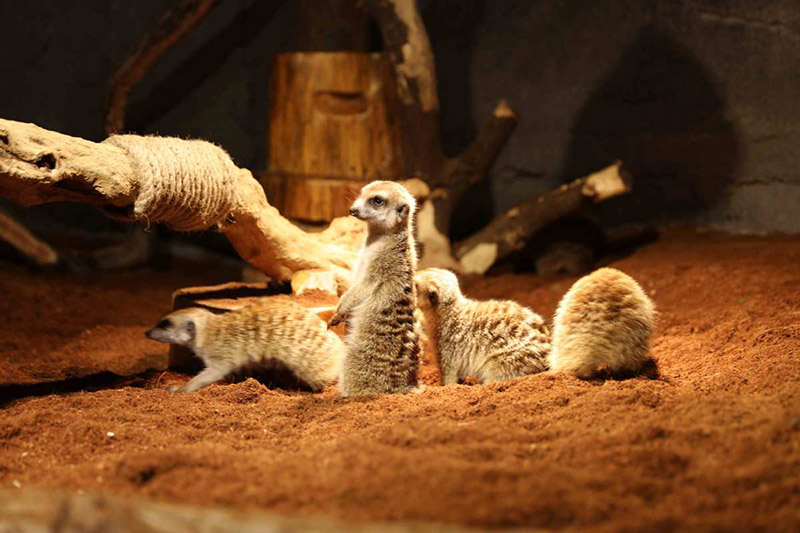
(260, 334)
(382, 342)
(602, 326)
(493, 340)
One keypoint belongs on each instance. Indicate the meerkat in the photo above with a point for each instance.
(603, 326)
(493, 340)
(383, 349)
(260, 334)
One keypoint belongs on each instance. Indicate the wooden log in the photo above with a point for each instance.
(409, 47)
(332, 118)
(318, 282)
(310, 199)
(512, 230)
(433, 247)
(472, 166)
(407, 43)
(39, 166)
(26, 242)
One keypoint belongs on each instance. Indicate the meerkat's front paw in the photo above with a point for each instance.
(336, 319)
(175, 388)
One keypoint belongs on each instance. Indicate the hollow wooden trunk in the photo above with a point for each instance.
(333, 127)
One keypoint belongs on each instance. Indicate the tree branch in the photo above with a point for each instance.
(410, 49)
(511, 231)
(27, 243)
(39, 166)
(176, 23)
(473, 165)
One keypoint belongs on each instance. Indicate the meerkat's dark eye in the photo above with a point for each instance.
(164, 324)
(377, 201)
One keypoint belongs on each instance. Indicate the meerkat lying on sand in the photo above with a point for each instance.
(603, 325)
(262, 333)
(383, 341)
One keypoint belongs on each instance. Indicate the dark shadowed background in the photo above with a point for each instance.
(699, 97)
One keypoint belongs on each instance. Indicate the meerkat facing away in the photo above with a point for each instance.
(383, 348)
(261, 333)
(603, 325)
(493, 340)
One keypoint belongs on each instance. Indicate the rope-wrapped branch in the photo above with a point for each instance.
(188, 185)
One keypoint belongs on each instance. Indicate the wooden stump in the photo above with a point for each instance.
(333, 128)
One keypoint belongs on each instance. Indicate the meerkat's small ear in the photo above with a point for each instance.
(402, 211)
(191, 328)
(433, 296)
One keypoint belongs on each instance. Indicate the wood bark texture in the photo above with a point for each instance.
(409, 47)
(18, 236)
(332, 130)
(512, 230)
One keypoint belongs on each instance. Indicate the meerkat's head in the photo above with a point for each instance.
(180, 327)
(436, 287)
(384, 205)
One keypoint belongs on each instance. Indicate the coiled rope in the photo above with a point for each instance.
(189, 185)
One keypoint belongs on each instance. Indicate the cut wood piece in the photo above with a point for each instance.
(156, 179)
(332, 119)
(26, 242)
(308, 198)
(409, 47)
(434, 247)
(318, 282)
(253, 275)
(512, 230)
(235, 295)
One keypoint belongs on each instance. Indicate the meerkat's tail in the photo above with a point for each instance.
(602, 328)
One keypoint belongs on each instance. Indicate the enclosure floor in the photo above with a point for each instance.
(714, 444)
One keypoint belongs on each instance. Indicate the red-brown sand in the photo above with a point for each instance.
(713, 445)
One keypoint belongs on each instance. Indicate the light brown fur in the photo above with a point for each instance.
(383, 341)
(494, 340)
(603, 325)
(257, 335)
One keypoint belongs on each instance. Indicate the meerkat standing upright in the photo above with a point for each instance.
(602, 326)
(262, 333)
(382, 342)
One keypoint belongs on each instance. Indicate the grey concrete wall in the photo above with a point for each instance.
(699, 97)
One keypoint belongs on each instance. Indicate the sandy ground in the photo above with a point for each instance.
(712, 445)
